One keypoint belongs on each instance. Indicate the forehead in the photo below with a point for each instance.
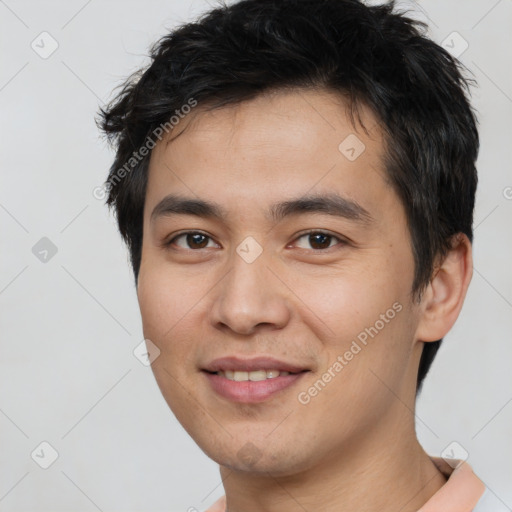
(285, 143)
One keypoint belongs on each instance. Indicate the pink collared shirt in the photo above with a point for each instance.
(460, 493)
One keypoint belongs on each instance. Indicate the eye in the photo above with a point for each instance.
(193, 240)
(319, 240)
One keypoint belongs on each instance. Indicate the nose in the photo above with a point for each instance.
(249, 298)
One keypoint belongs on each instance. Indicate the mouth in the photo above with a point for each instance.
(251, 380)
(253, 376)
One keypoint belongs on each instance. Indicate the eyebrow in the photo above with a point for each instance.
(330, 204)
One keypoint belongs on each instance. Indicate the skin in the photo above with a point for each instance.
(353, 447)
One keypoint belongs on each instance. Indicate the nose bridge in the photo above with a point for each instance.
(249, 295)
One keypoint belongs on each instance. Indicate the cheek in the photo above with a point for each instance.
(346, 302)
(166, 310)
(364, 319)
(163, 299)
(173, 306)
(365, 361)
(157, 306)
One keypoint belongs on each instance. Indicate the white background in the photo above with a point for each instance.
(69, 326)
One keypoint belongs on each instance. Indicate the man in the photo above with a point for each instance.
(295, 181)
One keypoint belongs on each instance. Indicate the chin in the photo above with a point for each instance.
(276, 460)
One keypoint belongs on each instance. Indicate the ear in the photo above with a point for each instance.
(442, 300)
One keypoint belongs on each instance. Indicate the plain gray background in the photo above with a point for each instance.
(70, 323)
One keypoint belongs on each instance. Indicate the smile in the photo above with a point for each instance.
(251, 387)
(254, 376)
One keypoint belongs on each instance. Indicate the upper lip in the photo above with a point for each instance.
(251, 364)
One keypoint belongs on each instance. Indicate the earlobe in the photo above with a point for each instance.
(442, 300)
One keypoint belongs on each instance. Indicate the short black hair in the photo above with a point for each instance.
(371, 55)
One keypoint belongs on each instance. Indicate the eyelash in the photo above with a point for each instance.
(310, 232)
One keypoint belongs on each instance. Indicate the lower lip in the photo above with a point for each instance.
(251, 391)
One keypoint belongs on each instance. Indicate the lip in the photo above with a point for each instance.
(251, 391)
(254, 363)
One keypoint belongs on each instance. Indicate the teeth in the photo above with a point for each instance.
(240, 376)
(258, 375)
(254, 376)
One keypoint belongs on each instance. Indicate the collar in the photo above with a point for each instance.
(460, 493)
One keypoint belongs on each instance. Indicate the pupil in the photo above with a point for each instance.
(192, 239)
(321, 235)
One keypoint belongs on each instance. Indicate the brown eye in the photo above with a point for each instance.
(318, 240)
(196, 241)
(193, 240)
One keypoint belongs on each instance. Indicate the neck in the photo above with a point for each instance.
(384, 470)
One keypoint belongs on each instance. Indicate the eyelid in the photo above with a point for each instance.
(169, 240)
(342, 241)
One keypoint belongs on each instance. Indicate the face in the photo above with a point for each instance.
(300, 262)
